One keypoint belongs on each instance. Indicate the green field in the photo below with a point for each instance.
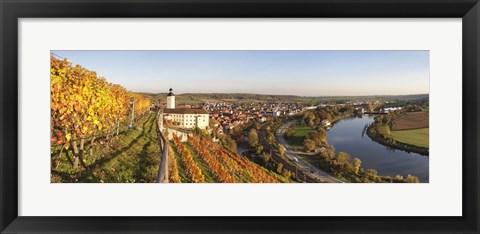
(418, 137)
(296, 142)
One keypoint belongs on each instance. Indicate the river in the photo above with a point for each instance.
(348, 135)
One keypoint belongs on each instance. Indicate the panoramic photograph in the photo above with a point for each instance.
(239, 116)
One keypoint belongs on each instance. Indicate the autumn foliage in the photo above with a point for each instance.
(224, 165)
(193, 171)
(84, 104)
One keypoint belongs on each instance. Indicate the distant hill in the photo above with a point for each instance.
(196, 98)
(413, 97)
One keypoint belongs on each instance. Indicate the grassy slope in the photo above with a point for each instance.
(296, 142)
(132, 157)
(418, 137)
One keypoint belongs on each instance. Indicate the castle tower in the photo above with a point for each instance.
(170, 100)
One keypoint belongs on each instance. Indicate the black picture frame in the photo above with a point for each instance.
(11, 11)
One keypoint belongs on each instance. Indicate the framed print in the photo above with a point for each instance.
(239, 116)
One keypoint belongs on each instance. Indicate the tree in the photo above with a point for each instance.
(286, 173)
(342, 158)
(370, 107)
(270, 138)
(252, 137)
(279, 168)
(318, 137)
(356, 165)
(309, 145)
(256, 125)
(412, 179)
(281, 150)
(265, 158)
(329, 153)
(231, 144)
(290, 132)
(372, 174)
(236, 133)
(322, 135)
(258, 149)
(308, 118)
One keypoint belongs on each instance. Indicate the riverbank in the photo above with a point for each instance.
(348, 135)
(387, 141)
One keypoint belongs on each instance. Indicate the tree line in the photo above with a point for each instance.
(380, 130)
(343, 165)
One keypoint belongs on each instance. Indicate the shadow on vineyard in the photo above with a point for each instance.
(133, 156)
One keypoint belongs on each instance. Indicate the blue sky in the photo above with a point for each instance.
(303, 73)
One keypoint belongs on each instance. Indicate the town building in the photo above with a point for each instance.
(325, 122)
(184, 117)
(272, 113)
(360, 111)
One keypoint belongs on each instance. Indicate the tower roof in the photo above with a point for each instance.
(170, 93)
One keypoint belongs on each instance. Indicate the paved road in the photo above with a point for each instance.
(300, 174)
(289, 153)
(241, 150)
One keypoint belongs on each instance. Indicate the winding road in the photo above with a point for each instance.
(290, 154)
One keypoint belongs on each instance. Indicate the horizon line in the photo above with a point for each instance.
(265, 94)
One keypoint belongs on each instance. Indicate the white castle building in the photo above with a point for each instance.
(184, 117)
